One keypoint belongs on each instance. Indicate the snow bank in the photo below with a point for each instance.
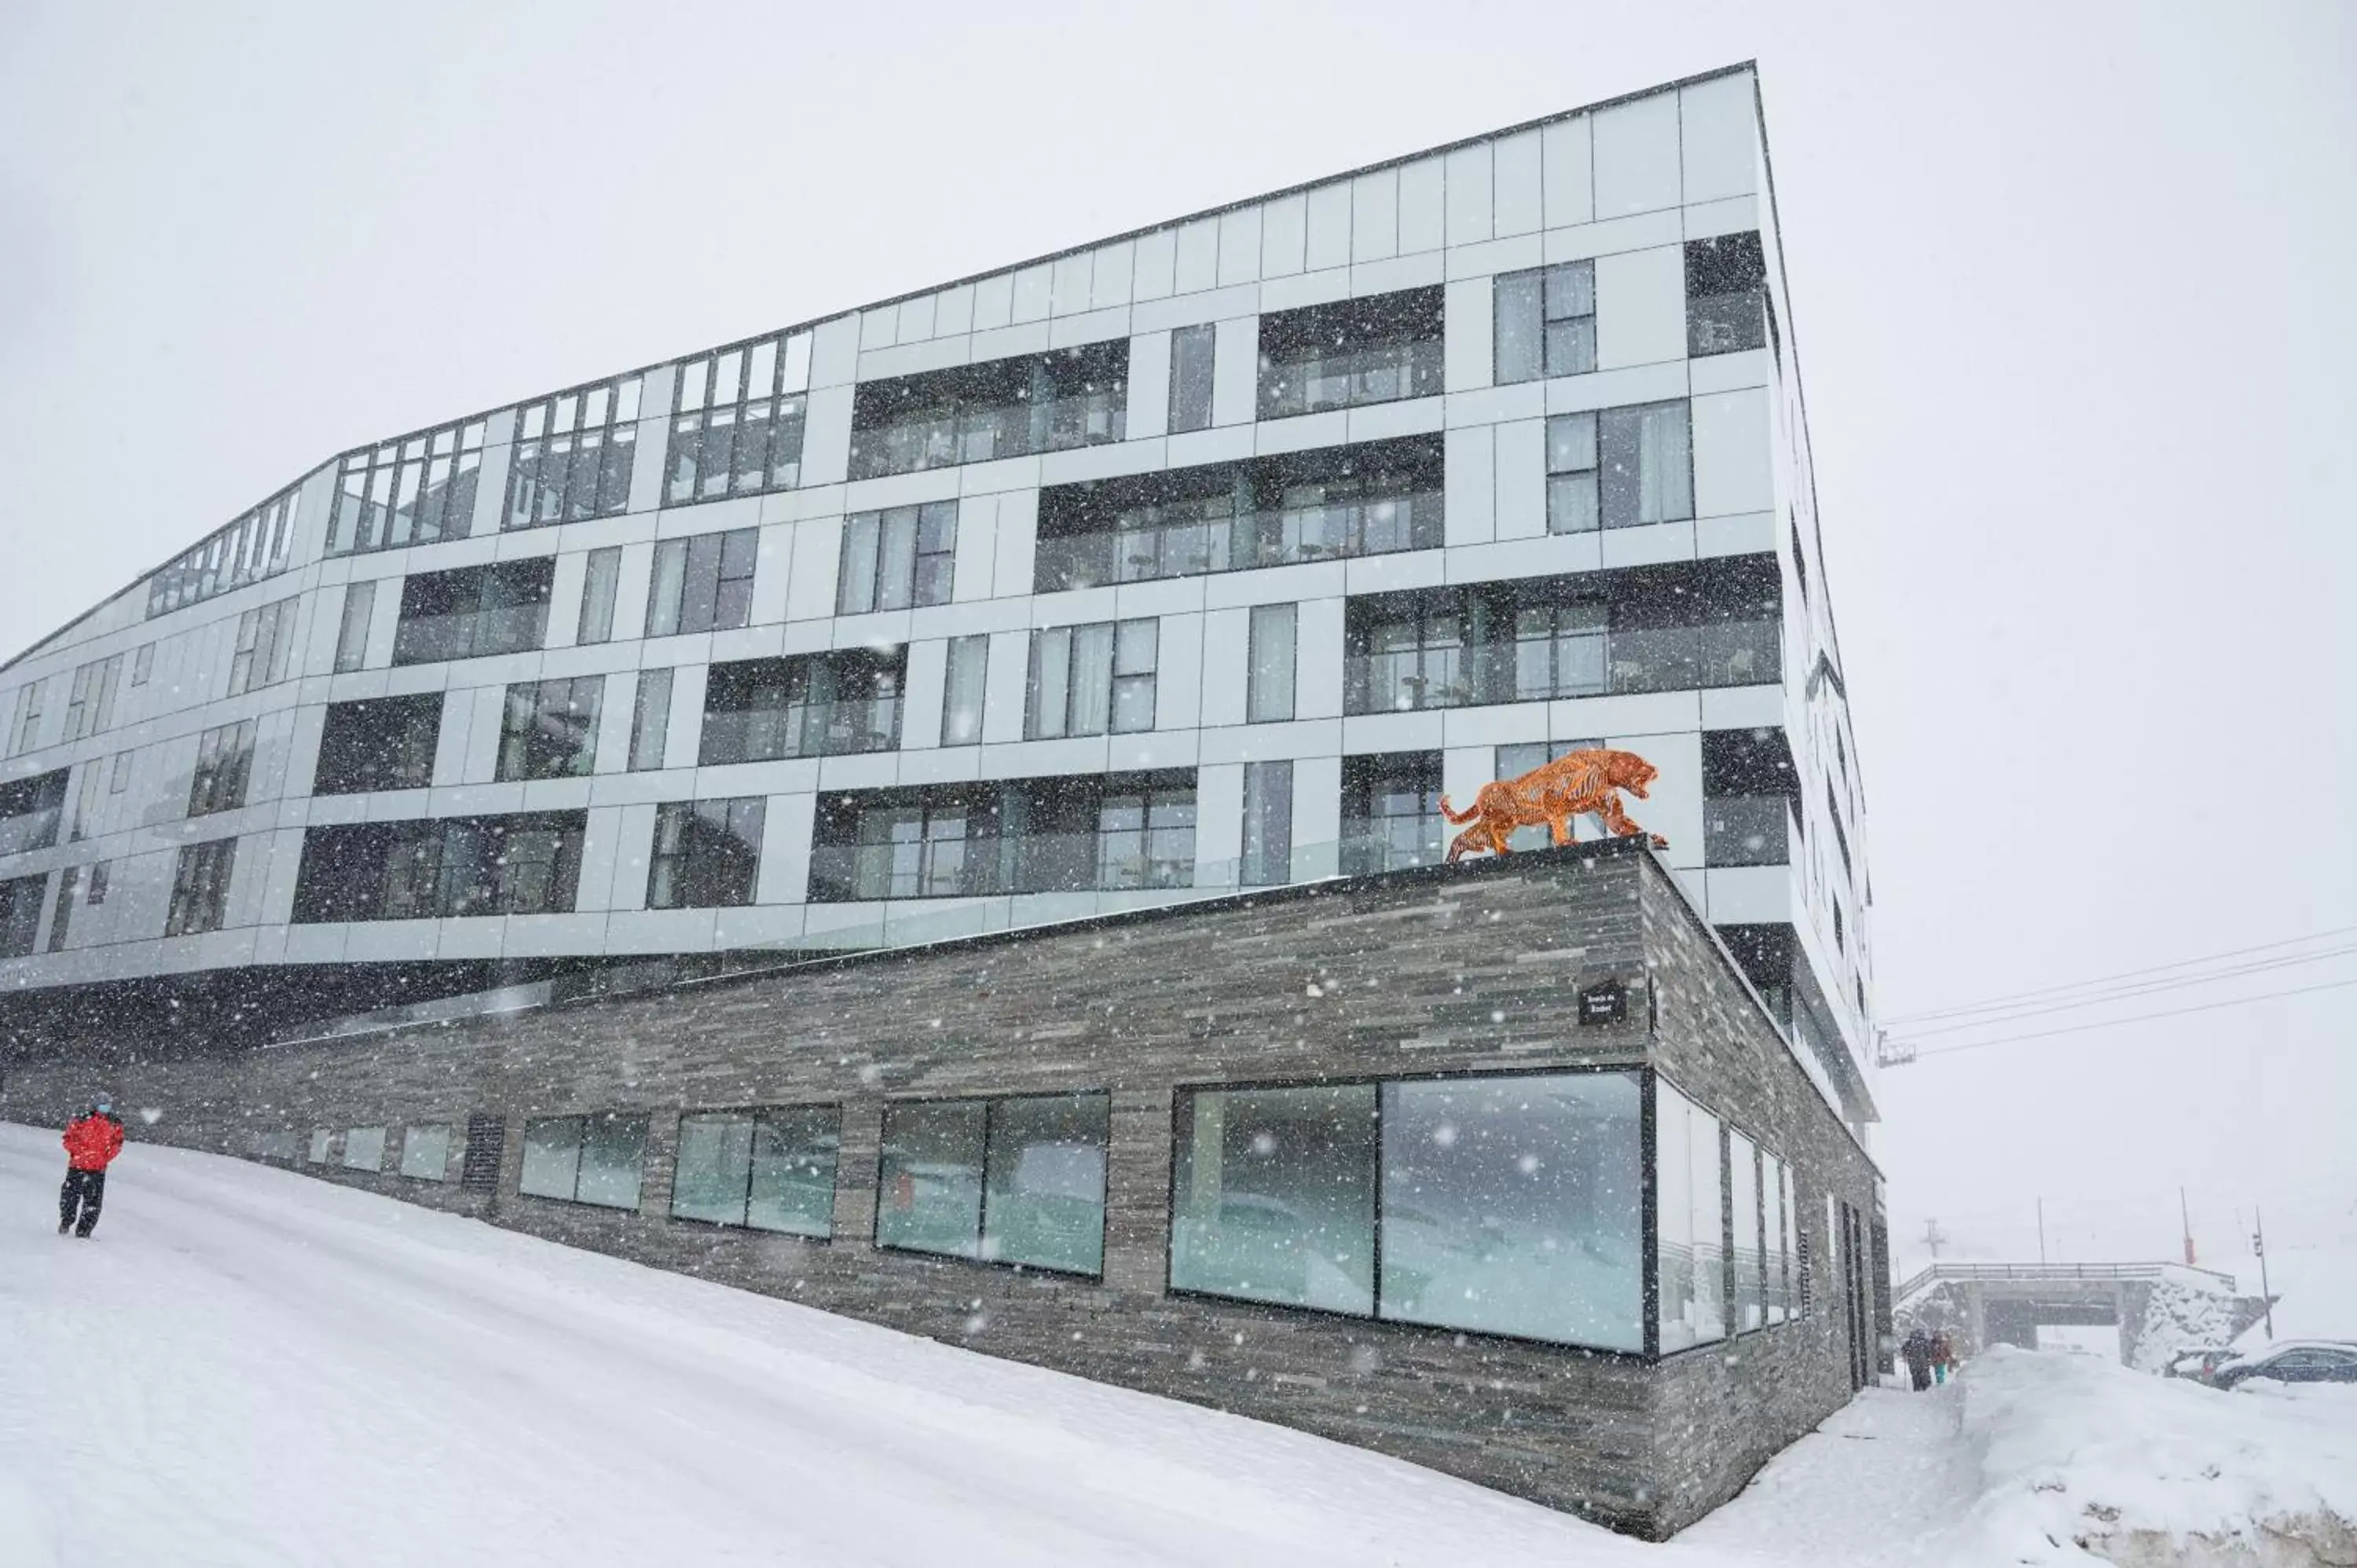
(2078, 1456)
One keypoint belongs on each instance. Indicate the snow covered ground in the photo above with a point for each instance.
(248, 1366)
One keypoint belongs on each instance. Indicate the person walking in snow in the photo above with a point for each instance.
(1916, 1353)
(92, 1142)
(1943, 1357)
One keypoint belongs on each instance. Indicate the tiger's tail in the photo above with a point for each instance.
(1447, 811)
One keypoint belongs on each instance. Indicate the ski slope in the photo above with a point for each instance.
(249, 1366)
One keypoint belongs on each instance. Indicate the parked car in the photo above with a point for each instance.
(2295, 1361)
(2199, 1363)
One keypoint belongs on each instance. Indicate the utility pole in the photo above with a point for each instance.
(2041, 1229)
(2259, 1251)
(1934, 1237)
(2185, 1217)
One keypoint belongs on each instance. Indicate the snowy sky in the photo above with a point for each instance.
(2072, 297)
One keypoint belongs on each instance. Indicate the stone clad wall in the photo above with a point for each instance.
(1465, 968)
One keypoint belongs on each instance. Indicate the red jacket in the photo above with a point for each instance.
(92, 1143)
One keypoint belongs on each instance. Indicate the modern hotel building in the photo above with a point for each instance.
(736, 814)
(1206, 557)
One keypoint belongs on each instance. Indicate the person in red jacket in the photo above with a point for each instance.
(91, 1143)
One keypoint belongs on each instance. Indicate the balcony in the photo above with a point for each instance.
(978, 867)
(1005, 408)
(801, 729)
(1351, 353)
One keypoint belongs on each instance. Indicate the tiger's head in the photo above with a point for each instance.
(1630, 771)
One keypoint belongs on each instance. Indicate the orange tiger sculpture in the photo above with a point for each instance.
(1551, 795)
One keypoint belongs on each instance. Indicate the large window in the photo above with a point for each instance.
(573, 455)
(1689, 1197)
(20, 914)
(30, 812)
(818, 704)
(704, 583)
(385, 743)
(737, 420)
(474, 612)
(963, 687)
(897, 558)
(1003, 408)
(1269, 658)
(770, 1169)
(1193, 352)
(1040, 835)
(1748, 1258)
(224, 766)
(1350, 353)
(1748, 785)
(1655, 628)
(1374, 499)
(707, 854)
(266, 641)
(1726, 295)
(253, 547)
(585, 1159)
(1092, 680)
(426, 1150)
(411, 491)
(24, 726)
(1017, 1181)
(1545, 322)
(1267, 859)
(549, 729)
(1509, 1205)
(352, 629)
(601, 581)
(1619, 469)
(199, 888)
(650, 720)
(365, 1149)
(1391, 811)
(89, 706)
(527, 863)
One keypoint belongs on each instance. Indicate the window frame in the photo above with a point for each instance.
(976, 646)
(223, 770)
(201, 872)
(990, 1103)
(694, 858)
(770, 373)
(754, 1113)
(1122, 640)
(554, 454)
(872, 537)
(581, 1119)
(386, 497)
(1648, 1301)
(1194, 377)
(527, 747)
(710, 583)
(1538, 285)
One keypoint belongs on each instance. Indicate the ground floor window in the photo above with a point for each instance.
(365, 1149)
(1506, 1205)
(1689, 1205)
(769, 1169)
(426, 1150)
(585, 1159)
(1019, 1180)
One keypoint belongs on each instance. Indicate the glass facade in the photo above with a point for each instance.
(819, 704)
(411, 491)
(528, 863)
(737, 420)
(1374, 348)
(1002, 408)
(255, 546)
(573, 455)
(474, 612)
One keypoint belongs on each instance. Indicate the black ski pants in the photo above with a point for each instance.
(83, 1192)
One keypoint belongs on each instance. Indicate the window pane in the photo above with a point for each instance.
(857, 594)
(1518, 341)
(1051, 657)
(351, 636)
(962, 697)
(716, 1163)
(1091, 704)
(551, 1156)
(1664, 452)
(1512, 1205)
(929, 1195)
(793, 1158)
(652, 721)
(1772, 1196)
(425, 1151)
(365, 1149)
(1046, 1183)
(1268, 825)
(1276, 1197)
(602, 576)
(1571, 443)
(896, 560)
(1743, 1184)
(610, 1149)
(1269, 681)
(1690, 1257)
(670, 584)
(1190, 377)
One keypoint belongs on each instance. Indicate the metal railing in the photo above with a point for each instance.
(1952, 1273)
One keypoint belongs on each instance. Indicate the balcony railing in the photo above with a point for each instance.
(977, 867)
(1644, 659)
(1178, 542)
(1349, 378)
(470, 634)
(945, 437)
(801, 729)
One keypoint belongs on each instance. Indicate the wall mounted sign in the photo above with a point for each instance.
(1603, 1004)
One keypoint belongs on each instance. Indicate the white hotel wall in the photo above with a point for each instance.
(1626, 185)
